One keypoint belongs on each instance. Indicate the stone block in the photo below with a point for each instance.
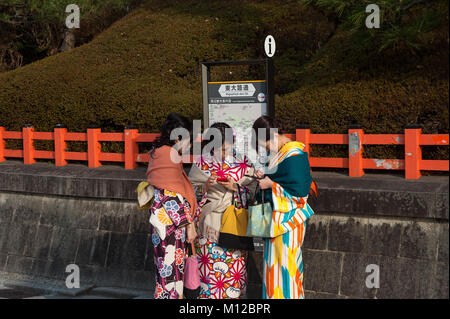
(140, 280)
(29, 238)
(53, 269)
(19, 264)
(114, 218)
(316, 234)
(88, 216)
(398, 278)
(353, 280)
(116, 250)
(3, 258)
(442, 205)
(4, 232)
(41, 268)
(127, 251)
(21, 238)
(149, 256)
(383, 237)
(139, 221)
(441, 276)
(70, 213)
(100, 248)
(382, 196)
(432, 280)
(400, 203)
(443, 243)
(420, 240)
(6, 211)
(64, 244)
(426, 283)
(85, 246)
(111, 277)
(322, 271)
(41, 246)
(334, 200)
(135, 251)
(321, 295)
(347, 234)
(56, 269)
(28, 213)
(88, 274)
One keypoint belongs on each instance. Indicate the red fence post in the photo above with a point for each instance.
(2, 144)
(302, 134)
(413, 152)
(94, 146)
(131, 147)
(28, 145)
(60, 144)
(355, 151)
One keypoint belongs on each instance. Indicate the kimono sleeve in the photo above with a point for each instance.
(283, 202)
(178, 211)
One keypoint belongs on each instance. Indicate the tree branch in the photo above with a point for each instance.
(412, 4)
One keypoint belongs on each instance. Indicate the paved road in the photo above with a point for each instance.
(26, 291)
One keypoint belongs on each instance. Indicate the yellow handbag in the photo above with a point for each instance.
(233, 229)
(234, 221)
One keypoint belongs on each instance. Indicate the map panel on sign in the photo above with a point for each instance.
(241, 117)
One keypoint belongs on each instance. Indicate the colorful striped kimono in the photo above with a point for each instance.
(283, 264)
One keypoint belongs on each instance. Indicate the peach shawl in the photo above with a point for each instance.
(165, 171)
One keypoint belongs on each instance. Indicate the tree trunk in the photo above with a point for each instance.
(68, 42)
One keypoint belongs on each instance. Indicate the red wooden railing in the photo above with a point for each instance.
(412, 138)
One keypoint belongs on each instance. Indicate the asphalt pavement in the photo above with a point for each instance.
(41, 290)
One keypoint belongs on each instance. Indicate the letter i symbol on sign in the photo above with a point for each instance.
(269, 46)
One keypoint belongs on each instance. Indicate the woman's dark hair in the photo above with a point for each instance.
(264, 124)
(222, 127)
(173, 121)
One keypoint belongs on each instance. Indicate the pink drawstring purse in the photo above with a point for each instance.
(191, 275)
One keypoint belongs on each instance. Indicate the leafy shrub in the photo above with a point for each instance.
(147, 64)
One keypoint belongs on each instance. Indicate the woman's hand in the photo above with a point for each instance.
(265, 183)
(191, 234)
(211, 180)
(259, 174)
(229, 184)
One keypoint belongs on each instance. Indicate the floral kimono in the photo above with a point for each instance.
(282, 262)
(169, 213)
(223, 272)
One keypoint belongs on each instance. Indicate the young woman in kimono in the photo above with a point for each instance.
(286, 185)
(172, 209)
(218, 177)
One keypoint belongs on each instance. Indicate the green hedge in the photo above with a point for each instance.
(148, 64)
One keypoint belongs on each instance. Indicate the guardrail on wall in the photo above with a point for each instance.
(412, 138)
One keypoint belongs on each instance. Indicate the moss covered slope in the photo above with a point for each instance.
(148, 64)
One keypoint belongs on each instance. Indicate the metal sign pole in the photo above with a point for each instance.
(205, 80)
(270, 87)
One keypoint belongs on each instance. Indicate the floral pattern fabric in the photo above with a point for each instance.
(168, 237)
(223, 272)
(232, 166)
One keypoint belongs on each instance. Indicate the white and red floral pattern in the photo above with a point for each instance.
(223, 272)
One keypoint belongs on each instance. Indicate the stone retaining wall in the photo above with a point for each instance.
(54, 216)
